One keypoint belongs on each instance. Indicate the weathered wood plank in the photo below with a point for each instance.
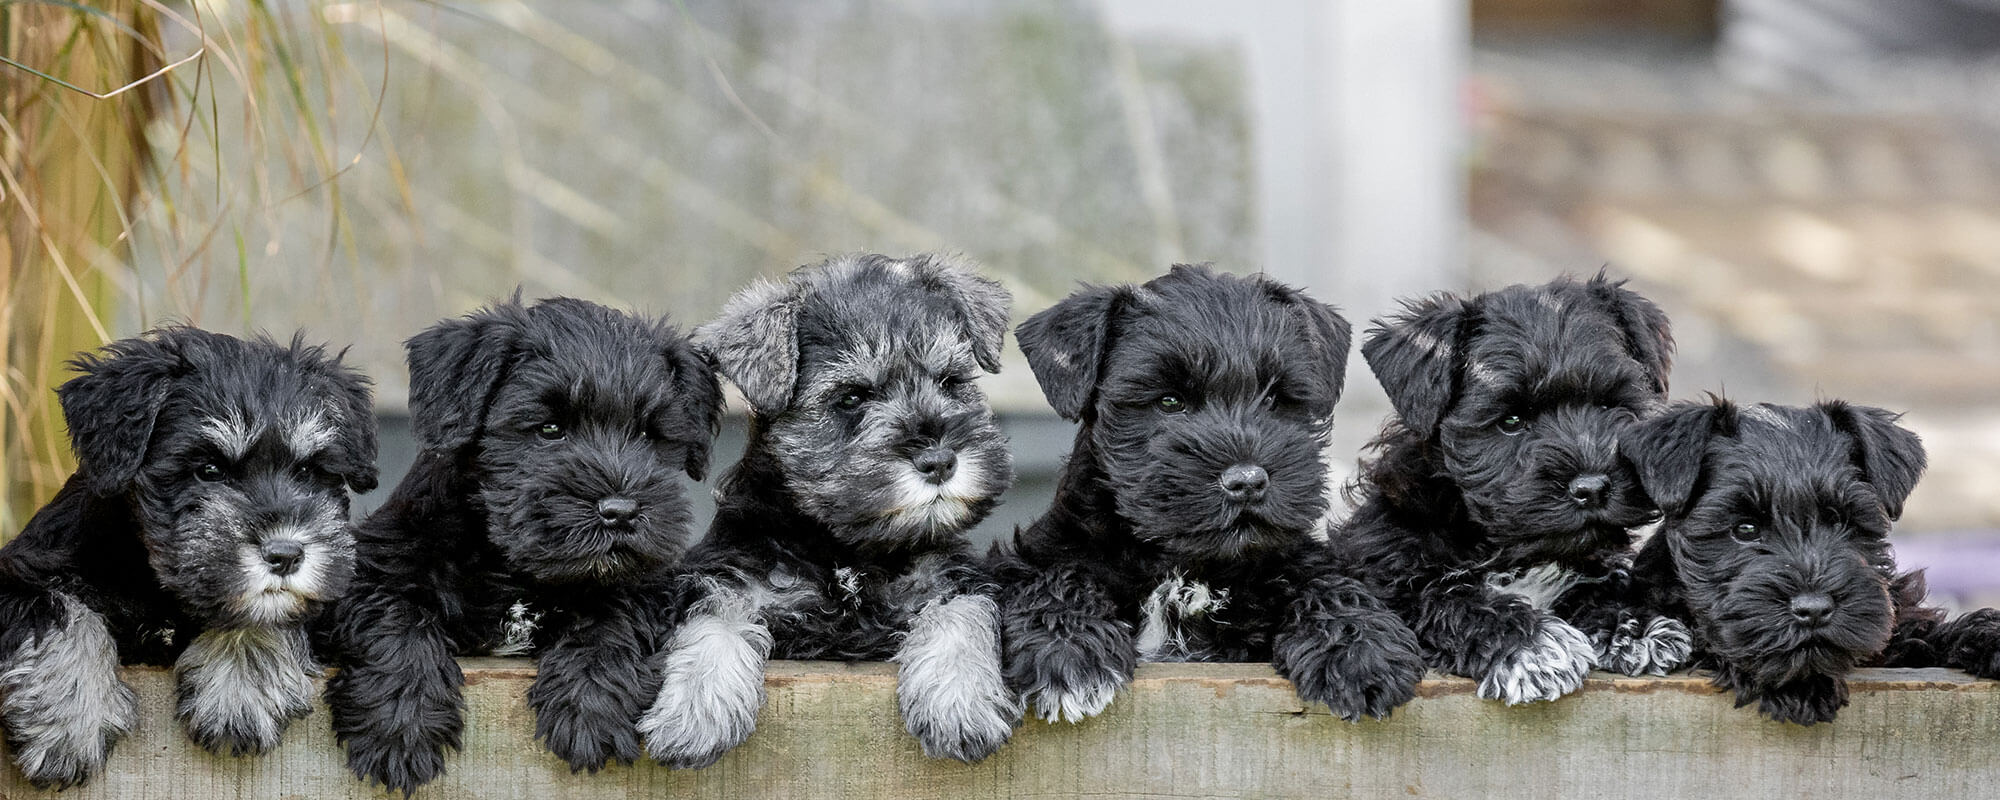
(1216, 730)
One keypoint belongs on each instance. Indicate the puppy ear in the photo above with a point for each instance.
(1648, 335)
(1329, 335)
(755, 343)
(981, 302)
(112, 406)
(1668, 450)
(351, 393)
(455, 366)
(1415, 357)
(1890, 456)
(1065, 343)
(700, 394)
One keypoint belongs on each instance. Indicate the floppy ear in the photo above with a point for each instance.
(755, 343)
(455, 366)
(1889, 455)
(981, 303)
(112, 406)
(1065, 344)
(348, 390)
(1415, 357)
(700, 394)
(1668, 450)
(1648, 335)
(1330, 336)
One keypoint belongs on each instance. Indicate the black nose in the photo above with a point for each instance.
(937, 464)
(283, 556)
(1812, 609)
(617, 510)
(1245, 482)
(1587, 491)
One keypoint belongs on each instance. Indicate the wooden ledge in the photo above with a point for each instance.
(1183, 730)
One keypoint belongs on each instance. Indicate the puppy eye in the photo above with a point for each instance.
(1170, 403)
(550, 431)
(210, 472)
(1745, 532)
(1512, 424)
(850, 400)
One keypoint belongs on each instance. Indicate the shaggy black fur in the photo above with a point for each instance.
(1496, 513)
(1182, 524)
(1775, 544)
(210, 499)
(840, 535)
(554, 439)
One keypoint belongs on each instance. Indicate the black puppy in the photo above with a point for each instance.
(1496, 513)
(206, 521)
(1775, 546)
(544, 511)
(1181, 529)
(840, 535)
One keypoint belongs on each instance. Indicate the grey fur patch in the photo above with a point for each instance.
(755, 343)
(1553, 664)
(1162, 633)
(712, 683)
(517, 634)
(1540, 585)
(62, 701)
(239, 688)
(1079, 702)
(1654, 648)
(949, 683)
(231, 434)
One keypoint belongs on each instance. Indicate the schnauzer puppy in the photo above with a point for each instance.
(1496, 514)
(1182, 528)
(1775, 546)
(206, 521)
(840, 533)
(543, 514)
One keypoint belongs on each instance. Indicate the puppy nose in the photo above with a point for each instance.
(283, 556)
(1245, 482)
(936, 464)
(617, 510)
(1587, 491)
(1812, 609)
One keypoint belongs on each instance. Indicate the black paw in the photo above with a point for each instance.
(396, 728)
(1070, 671)
(587, 736)
(398, 766)
(1803, 702)
(1366, 668)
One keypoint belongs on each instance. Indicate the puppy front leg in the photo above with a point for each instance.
(711, 683)
(1066, 651)
(60, 697)
(591, 682)
(237, 689)
(396, 701)
(1342, 647)
(1517, 652)
(1626, 636)
(949, 683)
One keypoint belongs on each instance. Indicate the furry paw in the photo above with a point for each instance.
(1654, 648)
(712, 684)
(949, 684)
(397, 765)
(1552, 664)
(397, 723)
(1085, 697)
(1068, 666)
(587, 737)
(62, 701)
(1804, 702)
(1366, 673)
(238, 689)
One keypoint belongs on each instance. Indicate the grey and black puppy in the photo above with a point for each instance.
(840, 533)
(1183, 524)
(206, 521)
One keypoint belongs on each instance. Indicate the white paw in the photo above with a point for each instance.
(239, 689)
(1659, 648)
(1076, 703)
(63, 702)
(712, 685)
(1552, 665)
(949, 684)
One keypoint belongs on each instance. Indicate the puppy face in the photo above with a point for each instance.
(579, 421)
(1777, 518)
(238, 456)
(1207, 400)
(862, 372)
(1524, 391)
